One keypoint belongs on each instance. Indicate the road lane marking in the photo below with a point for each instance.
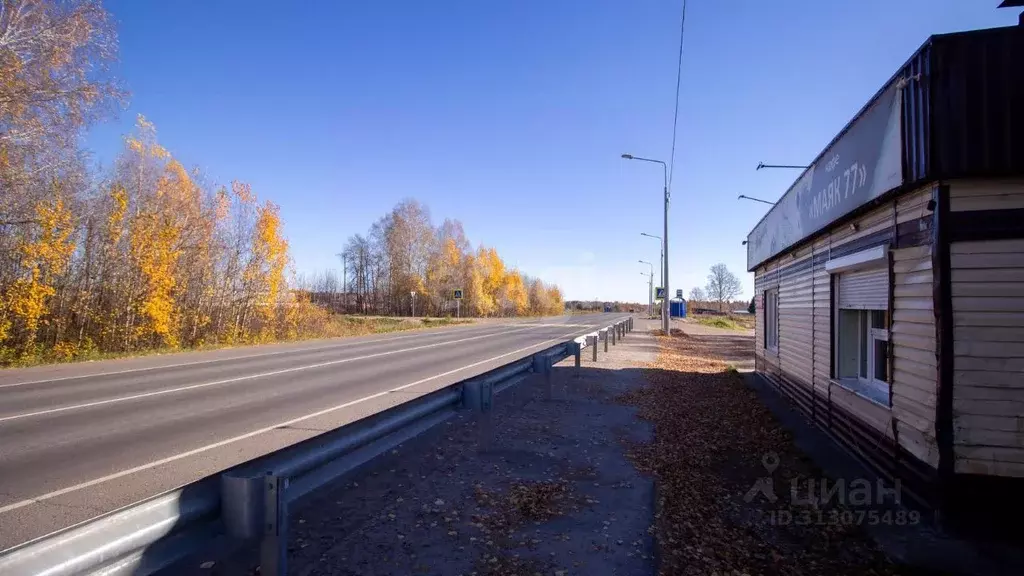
(248, 356)
(248, 377)
(247, 435)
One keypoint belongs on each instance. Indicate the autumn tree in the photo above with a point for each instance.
(514, 297)
(55, 58)
(43, 253)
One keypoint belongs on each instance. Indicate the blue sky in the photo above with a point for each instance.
(511, 115)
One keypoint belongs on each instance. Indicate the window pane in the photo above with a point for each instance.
(881, 368)
(848, 343)
(878, 319)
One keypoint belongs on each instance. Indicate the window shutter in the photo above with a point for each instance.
(864, 289)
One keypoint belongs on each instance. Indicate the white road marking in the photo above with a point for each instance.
(208, 447)
(212, 360)
(248, 377)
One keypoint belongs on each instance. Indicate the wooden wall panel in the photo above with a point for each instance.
(967, 196)
(988, 347)
(915, 374)
(914, 205)
(804, 364)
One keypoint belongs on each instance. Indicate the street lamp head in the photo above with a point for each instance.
(759, 165)
(627, 156)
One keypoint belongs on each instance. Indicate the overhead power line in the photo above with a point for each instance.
(675, 114)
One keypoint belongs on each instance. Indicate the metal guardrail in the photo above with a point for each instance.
(251, 501)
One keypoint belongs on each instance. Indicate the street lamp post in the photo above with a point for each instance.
(664, 240)
(650, 289)
(661, 263)
(745, 197)
(761, 165)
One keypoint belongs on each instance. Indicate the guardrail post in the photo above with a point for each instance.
(274, 547)
(604, 336)
(241, 505)
(478, 396)
(613, 329)
(486, 417)
(542, 365)
(577, 353)
(592, 342)
(623, 328)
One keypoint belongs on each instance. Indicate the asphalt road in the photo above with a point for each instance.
(80, 440)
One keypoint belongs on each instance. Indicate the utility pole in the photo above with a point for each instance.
(650, 288)
(664, 242)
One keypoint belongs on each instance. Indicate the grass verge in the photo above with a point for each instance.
(337, 326)
(725, 322)
(712, 437)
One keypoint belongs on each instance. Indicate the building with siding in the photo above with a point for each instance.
(889, 279)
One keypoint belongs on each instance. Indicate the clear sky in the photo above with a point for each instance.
(511, 115)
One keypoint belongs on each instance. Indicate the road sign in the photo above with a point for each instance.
(679, 293)
(458, 294)
(659, 293)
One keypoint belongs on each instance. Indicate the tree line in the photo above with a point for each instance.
(150, 254)
(403, 254)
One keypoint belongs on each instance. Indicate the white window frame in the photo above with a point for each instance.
(864, 384)
(771, 320)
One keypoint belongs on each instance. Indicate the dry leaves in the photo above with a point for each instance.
(525, 501)
(711, 434)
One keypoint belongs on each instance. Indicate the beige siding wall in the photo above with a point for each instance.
(988, 343)
(805, 329)
(966, 196)
(915, 373)
(822, 323)
(795, 307)
(914, 363)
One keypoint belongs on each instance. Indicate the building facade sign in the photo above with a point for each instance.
(861, 165)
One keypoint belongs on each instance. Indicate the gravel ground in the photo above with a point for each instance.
(550, 491)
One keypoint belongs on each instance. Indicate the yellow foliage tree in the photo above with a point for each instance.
(555, 303)
(265, 273)
(43, 253)
(153, 243)
(515, 293)
(493, 269)
(480, 301)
